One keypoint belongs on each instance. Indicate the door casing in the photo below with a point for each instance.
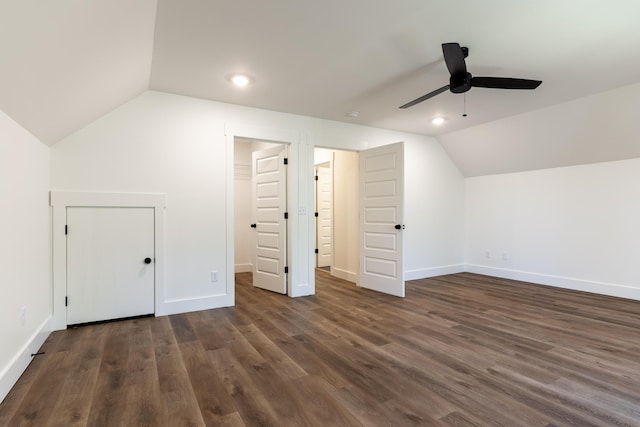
(61, 200)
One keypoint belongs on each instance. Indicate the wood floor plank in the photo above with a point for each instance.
(322, 409)
(213, 401)
(110, 391)
(254, 409)
(177, 398)
(34, 409)
(284, 366)
(69, 410)
(459, 350)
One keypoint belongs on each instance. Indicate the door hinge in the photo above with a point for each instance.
(66, 230)
(66, 301)
(286, 215)
(286, 270)
(316, 214)
(286, 161)
(316, 177)
(317, 251)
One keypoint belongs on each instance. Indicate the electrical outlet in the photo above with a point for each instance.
(214, 276)
(23, 315)
(487, 254)
(505, 257)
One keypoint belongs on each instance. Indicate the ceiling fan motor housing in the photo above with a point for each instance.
(460, 83)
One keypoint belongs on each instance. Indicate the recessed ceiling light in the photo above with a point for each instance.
(240, 80)
(437, 121)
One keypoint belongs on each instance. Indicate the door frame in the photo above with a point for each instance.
(61, 200)
(350, 276)
(301, 279)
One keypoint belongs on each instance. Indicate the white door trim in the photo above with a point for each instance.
(61, 200)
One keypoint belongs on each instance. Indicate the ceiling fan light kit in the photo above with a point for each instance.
(461, 80)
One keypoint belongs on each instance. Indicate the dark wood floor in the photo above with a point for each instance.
(459, 350)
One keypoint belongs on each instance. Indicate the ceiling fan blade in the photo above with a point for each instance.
(425, 97)
(454, 58)
(504, 83)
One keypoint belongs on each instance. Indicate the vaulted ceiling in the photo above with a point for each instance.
(64, 64)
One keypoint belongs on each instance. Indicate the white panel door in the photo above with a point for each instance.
(381, 219)
(324, 207)
(270, 204)
(107, 276)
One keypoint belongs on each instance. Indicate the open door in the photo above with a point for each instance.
(324, 207)
(381, 219)
(269, 211)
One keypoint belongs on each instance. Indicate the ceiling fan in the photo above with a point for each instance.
(461, 80)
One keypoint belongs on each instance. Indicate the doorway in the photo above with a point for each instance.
(324, 219)
(260, 212)
(61, 201)
(337, 205)
(368, 200)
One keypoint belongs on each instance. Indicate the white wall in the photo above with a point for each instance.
(242, 207)
(169, 145)
(434, 210)
(24, 249)
(163, 143)
(576, 227)
(346, 206)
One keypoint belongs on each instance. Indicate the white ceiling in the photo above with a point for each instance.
(66, 63)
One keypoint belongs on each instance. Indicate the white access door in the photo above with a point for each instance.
(107, 276)
(381, 219)
(269, 208)
(324, 207)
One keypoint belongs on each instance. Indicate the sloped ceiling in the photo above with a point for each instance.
(65, 63)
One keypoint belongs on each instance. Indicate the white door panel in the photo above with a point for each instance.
(269, 202)
(381, 201)
(324, 207)
(107, 277)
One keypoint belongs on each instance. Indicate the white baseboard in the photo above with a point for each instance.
(302, 290)
(610, 289)
(349, 276)
(195, 304)
(243, 268)
(10, 375)
(425, 273)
